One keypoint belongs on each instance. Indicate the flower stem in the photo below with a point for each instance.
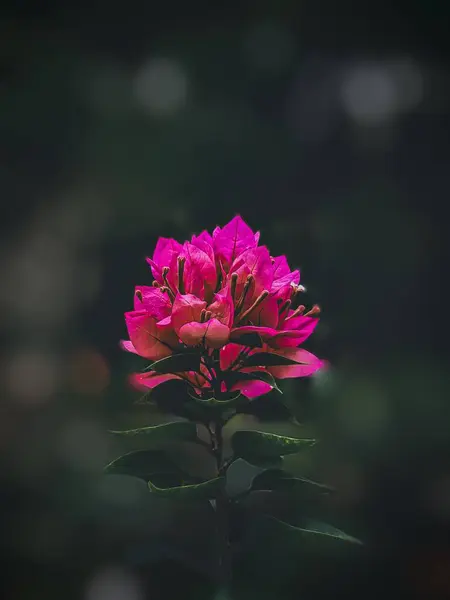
(222, 500)
(222, 513)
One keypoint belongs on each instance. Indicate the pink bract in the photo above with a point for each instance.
(225, 296)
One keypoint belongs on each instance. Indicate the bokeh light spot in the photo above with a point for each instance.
(89, 372)
(32, 377)
(114, 583)
(374, 93)
(368, 94)
(161, 86)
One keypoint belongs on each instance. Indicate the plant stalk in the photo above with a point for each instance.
(222, 514)
(222, 500)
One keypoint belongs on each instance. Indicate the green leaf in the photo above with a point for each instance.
(225, 403)
(176, 431)
(313, 531)
(279, 480)
(264, 462)
(268, 359)
(170, 398)
(206, 409)
(177, 363)
(235, 376)
(207, 489)
(249, 444)
(143, 464)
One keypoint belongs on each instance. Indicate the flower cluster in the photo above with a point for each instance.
(225, 297)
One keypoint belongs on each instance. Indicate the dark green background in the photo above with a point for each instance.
(91, 176)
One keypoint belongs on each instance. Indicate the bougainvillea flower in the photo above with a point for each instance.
(223, 297)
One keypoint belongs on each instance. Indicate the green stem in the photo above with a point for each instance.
(222, 500)
(222, 513)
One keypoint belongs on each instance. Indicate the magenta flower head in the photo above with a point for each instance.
(222, 314)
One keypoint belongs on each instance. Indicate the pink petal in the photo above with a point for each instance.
(221, 269)
(166, 253)
(204, 242)
(165, 323)
(256, 262)
(287, 339)
(261, 268)
(165, 250)
(156, 270)
(148, 381)
(310, 364)
(297, 330)
(166, 330)
(283, 277)
(280, 267)
(149, 340)
(229, 354)
(217, 334)
(198, 380)
(200, 276)
(206, 237)
(301, 322)
(193, 333)
(242, 270)
(233, 239)
(127, 346)
(264, 332)
(155, 302)
(186, 308)
(212, 333)
(266, 314)
(252, 389)
(223, 308)
(285, 282)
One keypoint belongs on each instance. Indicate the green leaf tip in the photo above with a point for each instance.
(315, 531)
